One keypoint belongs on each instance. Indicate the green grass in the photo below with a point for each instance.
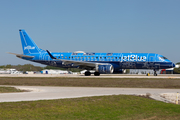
(121, 107)
(93, 82)
(118, 107)
(9, 90)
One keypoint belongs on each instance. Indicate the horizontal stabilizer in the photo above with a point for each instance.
(20, 55)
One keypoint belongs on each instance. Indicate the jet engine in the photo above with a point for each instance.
(104, 69)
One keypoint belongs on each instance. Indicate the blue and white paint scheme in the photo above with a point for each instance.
(101, 63)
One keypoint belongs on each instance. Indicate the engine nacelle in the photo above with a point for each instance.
(104, 69)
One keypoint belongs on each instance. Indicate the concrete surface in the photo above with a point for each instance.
(49, 93)
(176, 76)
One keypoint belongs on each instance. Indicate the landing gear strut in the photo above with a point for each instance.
(155, 74)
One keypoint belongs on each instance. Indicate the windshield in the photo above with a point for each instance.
(163, 58)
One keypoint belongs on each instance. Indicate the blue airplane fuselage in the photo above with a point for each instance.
(100, 62)
(117, 60)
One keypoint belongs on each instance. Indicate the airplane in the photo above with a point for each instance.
(101, 63)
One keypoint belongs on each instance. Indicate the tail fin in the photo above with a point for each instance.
(28, 44)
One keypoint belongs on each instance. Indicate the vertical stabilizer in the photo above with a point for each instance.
(28, 44)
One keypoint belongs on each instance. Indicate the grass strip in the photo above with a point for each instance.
(93, 82)
(10, 90)
(104, 108)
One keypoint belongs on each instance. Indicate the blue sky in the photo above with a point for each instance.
(148, 26)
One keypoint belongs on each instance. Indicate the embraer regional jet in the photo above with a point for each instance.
(101, 63)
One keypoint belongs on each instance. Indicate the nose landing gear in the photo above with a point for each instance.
(155, 74)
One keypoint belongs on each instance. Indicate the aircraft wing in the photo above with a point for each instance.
(79, 63)
(20, 55)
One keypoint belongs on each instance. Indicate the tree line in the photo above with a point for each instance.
(30, 67)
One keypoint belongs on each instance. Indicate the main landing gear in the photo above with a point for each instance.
(88, 73)
(96, 73)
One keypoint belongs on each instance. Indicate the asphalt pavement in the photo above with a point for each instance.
(175, 76)
(50, 93)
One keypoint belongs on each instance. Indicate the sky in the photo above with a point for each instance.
(139, 26)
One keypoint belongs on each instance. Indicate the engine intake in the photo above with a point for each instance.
(104, 69)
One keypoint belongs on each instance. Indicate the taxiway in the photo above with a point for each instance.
(50, 93)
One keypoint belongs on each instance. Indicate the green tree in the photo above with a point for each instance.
(55, 68)
(127, 71)
(59, 68)
(176, 70)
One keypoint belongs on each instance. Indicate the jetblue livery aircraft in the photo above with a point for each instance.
(101, 63)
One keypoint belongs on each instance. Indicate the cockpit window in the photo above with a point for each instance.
(163, 58)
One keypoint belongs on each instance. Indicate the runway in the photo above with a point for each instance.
(175, 76)
(49, 93)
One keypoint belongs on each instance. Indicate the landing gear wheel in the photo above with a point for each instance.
(87, 73)
(155, 74)
(96, 73)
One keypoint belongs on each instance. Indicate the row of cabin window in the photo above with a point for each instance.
(99, 57)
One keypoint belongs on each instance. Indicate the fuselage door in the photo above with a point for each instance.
(47, 58)
(151, 58)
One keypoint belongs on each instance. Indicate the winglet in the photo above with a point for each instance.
(52, 57)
